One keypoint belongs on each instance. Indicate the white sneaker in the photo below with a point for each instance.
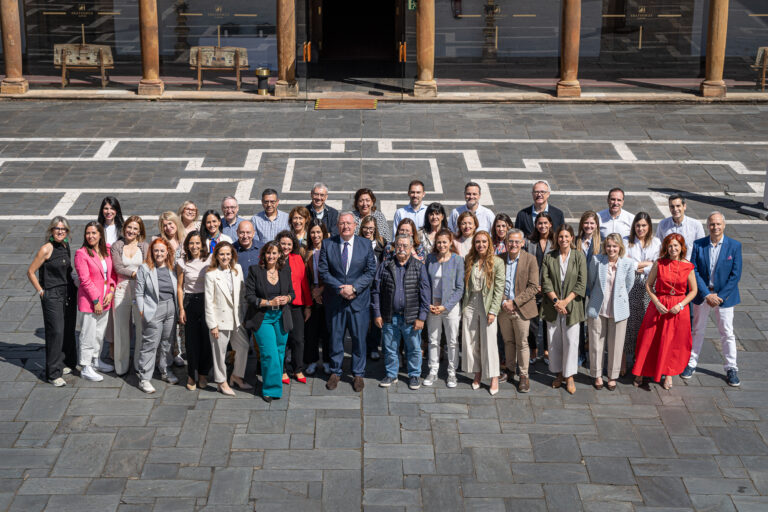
(451, 382)
(179, 361)
(103, 367)
(146, 386)
(311, 369)
(66, 370)
(430, 379)
(88, 373)
(327, 368)
(170, 378)
(58, 382)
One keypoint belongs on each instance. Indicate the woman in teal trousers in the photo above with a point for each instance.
(269, 293)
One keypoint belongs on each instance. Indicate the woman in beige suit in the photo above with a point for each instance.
(224, 292)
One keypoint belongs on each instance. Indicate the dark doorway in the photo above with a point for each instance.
(359, 30)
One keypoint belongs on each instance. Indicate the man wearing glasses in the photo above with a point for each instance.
(229, 218)
(271, 221)
(319, 210)
(526, 218)
(518, 307)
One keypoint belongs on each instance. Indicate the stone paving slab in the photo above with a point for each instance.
(107, 446)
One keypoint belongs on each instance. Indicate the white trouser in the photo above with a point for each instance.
(237, 338)
(448, 320)
(563, 347)
(124, 309)
(91, 336)
(479, 347)
(724, 325)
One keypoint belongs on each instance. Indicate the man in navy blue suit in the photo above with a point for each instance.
(347, 267)
(717, 266)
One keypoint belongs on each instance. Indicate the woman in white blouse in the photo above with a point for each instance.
(642, 247)
(190, 270)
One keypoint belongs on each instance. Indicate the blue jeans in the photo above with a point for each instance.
(390, 339)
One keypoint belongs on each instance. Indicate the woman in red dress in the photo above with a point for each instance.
(664, 340)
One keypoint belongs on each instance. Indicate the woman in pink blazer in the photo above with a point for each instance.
(94, 298)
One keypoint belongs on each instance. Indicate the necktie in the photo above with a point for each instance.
(345, 256)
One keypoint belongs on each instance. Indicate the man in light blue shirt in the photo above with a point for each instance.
(271, 221)
(414, 210)
(229, 217)
(690, 229)
(472, 197)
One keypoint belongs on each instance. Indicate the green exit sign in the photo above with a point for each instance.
(411, 5)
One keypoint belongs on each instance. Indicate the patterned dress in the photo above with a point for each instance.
(638, 298)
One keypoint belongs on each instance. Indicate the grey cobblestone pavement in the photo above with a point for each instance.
(106, 446)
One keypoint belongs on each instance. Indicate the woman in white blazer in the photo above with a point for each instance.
(224, 293)
(609, 280)
(157, 301)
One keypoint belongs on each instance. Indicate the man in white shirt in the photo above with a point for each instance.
(472, 197)
(690, 229)
(615, 219)
(415, 209)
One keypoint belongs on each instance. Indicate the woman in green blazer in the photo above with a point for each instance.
(484, 276)
(564, 286)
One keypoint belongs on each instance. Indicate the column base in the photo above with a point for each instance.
(713, 89)
(568, 89)
(14, 86)
(286, 89)
(151, 87)
(425, 89)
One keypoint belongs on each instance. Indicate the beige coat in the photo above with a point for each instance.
(222, 309)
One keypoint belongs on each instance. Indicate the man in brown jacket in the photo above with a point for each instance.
(518, 307)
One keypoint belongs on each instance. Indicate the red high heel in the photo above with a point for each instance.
(302, 379)
(286, 379)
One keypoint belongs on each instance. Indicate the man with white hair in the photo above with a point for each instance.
(319, 210)
(717, 266)
(229, 218)
(526, 218)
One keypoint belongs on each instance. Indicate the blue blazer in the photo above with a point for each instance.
(597, 281)
(727, 271)
(362, 270)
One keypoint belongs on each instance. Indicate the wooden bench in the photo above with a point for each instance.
(761, 63)
(218, 58)
(83, 57)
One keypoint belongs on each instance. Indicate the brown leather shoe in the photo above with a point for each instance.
(558, 381)
(358, 384)
(333, 381)
(504, 376)
(524, 385)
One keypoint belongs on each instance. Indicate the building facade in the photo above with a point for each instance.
(405, 43)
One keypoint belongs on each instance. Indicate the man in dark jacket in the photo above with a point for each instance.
(400, 298)
(526, 218)
(319, 210)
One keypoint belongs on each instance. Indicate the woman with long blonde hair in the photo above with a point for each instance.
(484, 277)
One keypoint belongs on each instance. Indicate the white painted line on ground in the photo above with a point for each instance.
(106, 149)
(624, 152)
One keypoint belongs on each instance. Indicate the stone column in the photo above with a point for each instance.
(570, 37)
(150, 84)
(14, 82)
(425, 49)
(286, 85)
(713, 85)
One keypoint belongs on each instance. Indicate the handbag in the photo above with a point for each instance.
(286, 319)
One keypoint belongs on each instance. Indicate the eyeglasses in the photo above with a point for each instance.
(60, 229)
(228, 208)
(515, 242)
(540, 192)
(368, 228)
(189, 209)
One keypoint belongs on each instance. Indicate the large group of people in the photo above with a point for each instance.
(482, 293)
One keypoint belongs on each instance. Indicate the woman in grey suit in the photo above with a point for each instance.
(156, 298)
(609, 280)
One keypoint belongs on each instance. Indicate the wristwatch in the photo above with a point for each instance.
(555, 300)
(96, 301)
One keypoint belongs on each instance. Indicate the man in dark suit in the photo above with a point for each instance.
(319, 210)
(347, 266)
(717, 266)
(526, 218)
